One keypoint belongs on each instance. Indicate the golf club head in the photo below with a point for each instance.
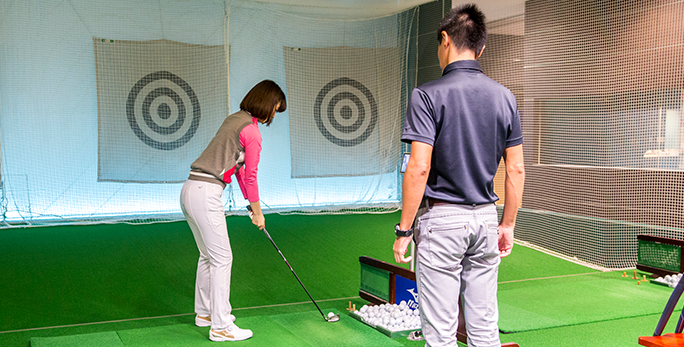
(333, 319)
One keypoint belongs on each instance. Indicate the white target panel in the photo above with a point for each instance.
(343, 110)
(156, 115)
(163, 110)
(346, 112)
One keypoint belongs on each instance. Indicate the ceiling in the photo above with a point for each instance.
(493, 9)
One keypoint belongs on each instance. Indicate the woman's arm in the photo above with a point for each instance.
(250, 139)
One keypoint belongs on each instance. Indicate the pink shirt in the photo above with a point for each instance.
(250, 139)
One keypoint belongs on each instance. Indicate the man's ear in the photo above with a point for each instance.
(482, 50)
(445, 38)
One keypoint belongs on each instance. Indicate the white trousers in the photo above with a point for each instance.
(202, 207)
(458, 255)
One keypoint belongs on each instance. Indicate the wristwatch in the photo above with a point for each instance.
(399, 232)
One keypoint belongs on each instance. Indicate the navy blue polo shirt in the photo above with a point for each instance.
(468, 119)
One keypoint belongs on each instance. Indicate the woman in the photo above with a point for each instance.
(235, 149)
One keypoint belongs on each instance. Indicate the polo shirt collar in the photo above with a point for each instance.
(462, 64)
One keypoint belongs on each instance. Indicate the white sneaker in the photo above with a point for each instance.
(205, 321)
(232, 333)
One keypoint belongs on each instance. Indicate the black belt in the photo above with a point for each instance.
(437, 202)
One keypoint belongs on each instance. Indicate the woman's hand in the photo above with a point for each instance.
(257, 216)
(259, 221)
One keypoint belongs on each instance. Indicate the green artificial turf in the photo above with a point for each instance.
(70, 275)
(323, 250)
(347, 332)
(613, 333)
(528, 263)
(105, 339)
(182, 335)
(285, 330)
(21, 338)
(123, 277)
(554, 302)
(79, 274)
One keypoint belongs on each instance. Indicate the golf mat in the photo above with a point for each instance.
(555, 302)
(293, 329)
(106, 339)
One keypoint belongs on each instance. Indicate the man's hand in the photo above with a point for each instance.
(513, 190)
(505, 240)
(400, 246)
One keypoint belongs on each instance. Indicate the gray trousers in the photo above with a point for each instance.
(203, 209)
(458, 255)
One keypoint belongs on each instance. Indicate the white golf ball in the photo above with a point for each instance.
(395, 317)
(330, 314)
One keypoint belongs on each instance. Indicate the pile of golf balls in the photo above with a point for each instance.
(669, 280)
(392, 317)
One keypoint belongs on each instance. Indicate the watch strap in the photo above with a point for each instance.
(404, 233)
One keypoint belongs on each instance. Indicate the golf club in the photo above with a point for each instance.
(329, 318)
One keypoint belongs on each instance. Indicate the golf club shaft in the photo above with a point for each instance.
(294, 273)
(249, 208)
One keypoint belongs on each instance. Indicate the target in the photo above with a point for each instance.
(345, 112)
(158, 107)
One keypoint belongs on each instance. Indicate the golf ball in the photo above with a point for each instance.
(669, 280)
(393, 317)
(330, 314)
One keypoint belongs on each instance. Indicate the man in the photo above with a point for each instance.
(459, 127)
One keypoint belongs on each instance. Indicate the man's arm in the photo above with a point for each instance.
(514, 183)
(413, 189)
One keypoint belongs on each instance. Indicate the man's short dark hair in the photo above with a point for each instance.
(466, 27)
(262, 99)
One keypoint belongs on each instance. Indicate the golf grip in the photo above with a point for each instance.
(249, 208)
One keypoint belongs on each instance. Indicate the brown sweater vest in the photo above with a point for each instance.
(224, 155)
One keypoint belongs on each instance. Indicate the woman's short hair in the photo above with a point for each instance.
(262, 99)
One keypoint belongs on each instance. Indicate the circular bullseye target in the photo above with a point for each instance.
(345, 112)
(157, 109)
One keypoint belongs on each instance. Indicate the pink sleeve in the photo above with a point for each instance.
(250, 139)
